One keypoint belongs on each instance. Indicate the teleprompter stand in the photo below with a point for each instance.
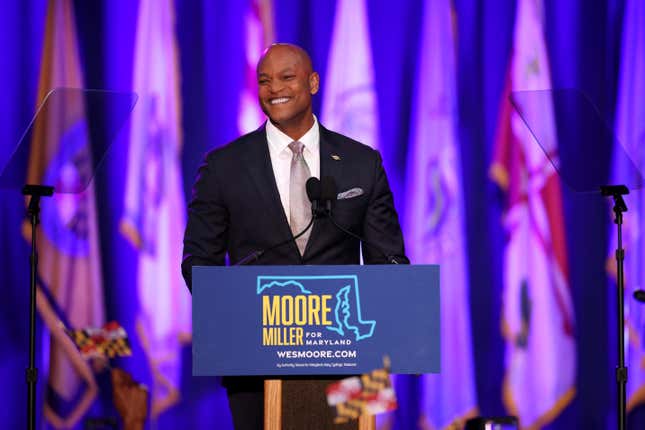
(567, 119)
(617, 192)
(64, 144)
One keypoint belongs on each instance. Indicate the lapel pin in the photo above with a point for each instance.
(335, 157)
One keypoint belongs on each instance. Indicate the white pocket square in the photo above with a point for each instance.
(349, 194)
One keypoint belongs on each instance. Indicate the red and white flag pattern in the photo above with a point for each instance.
(537, 313)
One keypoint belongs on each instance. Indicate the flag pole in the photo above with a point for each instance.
(31, 373)
(617, 192)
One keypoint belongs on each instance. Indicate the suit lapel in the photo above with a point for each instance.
(330, 155)
(260, 169)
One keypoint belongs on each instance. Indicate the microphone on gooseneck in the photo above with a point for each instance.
(313, 192)
(328, 195)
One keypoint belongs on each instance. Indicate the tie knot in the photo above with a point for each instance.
(296, 147)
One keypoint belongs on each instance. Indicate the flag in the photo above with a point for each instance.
(349, 103)
(69, 269)
(537, 310)
(259, 34)
(630, 130)
(68, 243)
(154, 217)
(434, 223)
(369, 394)
(108, 341)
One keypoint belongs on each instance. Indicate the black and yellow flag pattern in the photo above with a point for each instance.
(109, 341)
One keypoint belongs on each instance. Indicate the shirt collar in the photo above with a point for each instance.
(280, 141)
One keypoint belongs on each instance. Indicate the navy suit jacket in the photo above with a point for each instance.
(236, 209)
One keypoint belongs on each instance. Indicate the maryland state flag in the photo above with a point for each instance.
(68, 244)
(369, 394)
(154, 218)
(537, 312)
(108, 341)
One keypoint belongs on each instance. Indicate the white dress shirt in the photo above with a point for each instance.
(281, 157)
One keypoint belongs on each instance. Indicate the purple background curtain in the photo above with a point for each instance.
(584, 41)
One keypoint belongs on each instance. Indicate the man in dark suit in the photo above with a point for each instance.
(250, 195)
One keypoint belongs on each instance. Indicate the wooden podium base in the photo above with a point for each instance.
(302, 404)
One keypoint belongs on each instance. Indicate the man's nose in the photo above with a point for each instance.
(276, 86)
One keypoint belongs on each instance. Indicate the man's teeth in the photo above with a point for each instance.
(279, 101)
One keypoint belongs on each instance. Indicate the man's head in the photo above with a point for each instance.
(286, 82)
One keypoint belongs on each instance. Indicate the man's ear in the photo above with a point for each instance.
(314, 83)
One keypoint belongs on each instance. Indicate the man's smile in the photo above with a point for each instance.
(279, 100)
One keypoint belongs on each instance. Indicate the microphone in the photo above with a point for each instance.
(321, 193)
(640, 295)
(328, 194)
(313, 193)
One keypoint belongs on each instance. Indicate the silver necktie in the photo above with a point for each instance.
(299, 204)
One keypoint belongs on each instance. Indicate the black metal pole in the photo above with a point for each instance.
(621, 370)
(31, 373)
(617, 192)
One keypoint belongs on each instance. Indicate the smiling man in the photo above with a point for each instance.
(250, 196)
(286, 82)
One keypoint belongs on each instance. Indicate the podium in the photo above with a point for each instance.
(295, 326)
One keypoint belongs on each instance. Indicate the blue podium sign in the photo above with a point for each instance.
(315, 320)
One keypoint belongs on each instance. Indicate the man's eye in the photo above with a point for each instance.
(289, 77)
(263, 82)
